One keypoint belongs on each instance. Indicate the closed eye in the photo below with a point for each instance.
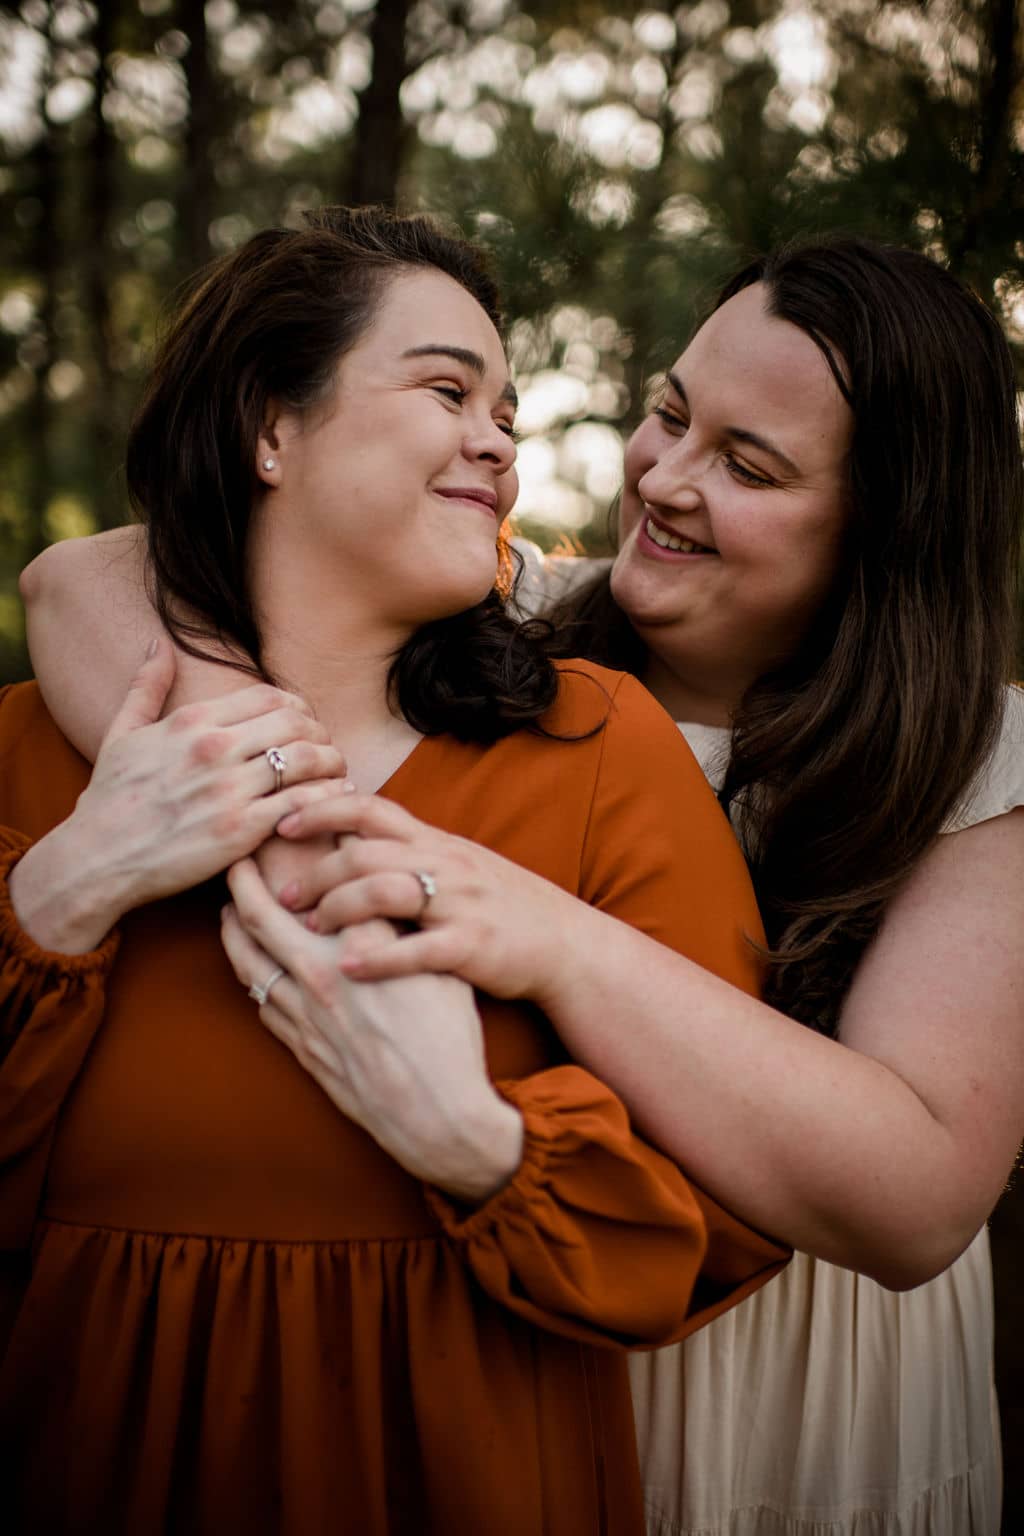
(451, 392)
(670, 418)
(743, 473)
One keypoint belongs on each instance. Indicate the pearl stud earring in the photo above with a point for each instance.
(269, 463)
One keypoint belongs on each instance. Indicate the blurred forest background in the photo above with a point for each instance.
(618, 158)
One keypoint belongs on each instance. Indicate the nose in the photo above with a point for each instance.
(674, 479)
(488, 441)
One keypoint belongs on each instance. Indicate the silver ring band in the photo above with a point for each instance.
(260, 994)
(429, 887)
(277, 760)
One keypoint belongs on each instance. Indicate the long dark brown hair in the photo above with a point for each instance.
(847, 760)
(271, 321)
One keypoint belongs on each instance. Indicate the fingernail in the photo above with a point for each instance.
(348, 788)
(288, 823)
(151, 648)
(312, 924)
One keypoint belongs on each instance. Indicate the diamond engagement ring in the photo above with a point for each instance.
(260, 994)
(429, 887)
(277, 760)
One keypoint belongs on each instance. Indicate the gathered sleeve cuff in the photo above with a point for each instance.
(50, 1008)
(597, 1236)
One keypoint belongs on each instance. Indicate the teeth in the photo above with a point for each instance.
(669, 540)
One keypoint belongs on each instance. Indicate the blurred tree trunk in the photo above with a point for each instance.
(99, 215)
(380, 130)
(200, 187)
(45, 245)
(999, 80)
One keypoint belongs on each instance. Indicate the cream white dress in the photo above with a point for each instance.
(825, 1405)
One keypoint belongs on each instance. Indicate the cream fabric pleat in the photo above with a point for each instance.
(825, 1405)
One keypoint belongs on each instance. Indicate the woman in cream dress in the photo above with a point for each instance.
(818, 529)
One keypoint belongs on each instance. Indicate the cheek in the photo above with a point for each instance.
(508, 491)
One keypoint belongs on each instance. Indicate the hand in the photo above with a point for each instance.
(508, 931)
(170, 803)
(403, 1059)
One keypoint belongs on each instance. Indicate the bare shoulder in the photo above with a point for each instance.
(101, 556)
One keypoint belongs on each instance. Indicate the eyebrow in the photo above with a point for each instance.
(741, 434)
(472, 360)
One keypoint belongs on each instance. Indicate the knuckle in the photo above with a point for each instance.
(266, 697)
(208, 748)
(228, 823)
(188, 717)
(320, 978)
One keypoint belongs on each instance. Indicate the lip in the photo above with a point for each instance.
(480, 495)
(653, 551)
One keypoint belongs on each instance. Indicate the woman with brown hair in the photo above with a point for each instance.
(367, 1275)
(819, 531)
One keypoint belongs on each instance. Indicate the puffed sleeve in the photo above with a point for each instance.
(592, 1234)
(50, 1008)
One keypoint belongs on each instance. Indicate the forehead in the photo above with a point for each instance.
(764, 374)
(419, 308)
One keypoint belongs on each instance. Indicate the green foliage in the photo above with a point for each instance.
(618, 165)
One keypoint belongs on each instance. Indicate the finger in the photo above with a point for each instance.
(246, 823)
(248, 703)
(406, 955)
(396, 894)
(356, 858)
(277, 932)
(276, 728)
(366, 815)
(282, 1012)
(303, 762)
(147, 691)
(250, 963)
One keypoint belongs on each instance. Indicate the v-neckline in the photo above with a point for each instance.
(396, 773)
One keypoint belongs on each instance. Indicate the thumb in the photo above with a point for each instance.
(147, 691)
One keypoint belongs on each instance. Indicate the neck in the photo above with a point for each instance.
(319, 641)
(700, 701)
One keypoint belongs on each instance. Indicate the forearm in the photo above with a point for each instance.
(822, 1146)
(89, 623)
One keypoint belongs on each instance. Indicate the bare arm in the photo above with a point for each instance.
(883, 1152)
(89, 625)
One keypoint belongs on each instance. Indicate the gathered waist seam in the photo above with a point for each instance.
(435, 1239)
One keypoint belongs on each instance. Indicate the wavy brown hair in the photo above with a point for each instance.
(272, 321)
(847, 760)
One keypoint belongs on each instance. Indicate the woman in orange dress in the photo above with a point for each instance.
(347, 1272)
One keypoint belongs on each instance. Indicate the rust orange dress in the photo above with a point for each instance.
(227, 1311)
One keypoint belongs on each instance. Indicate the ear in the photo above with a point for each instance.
(268, 447)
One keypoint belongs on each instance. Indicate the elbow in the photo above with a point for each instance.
(31, 581)
(42, 576)
(914, 1258)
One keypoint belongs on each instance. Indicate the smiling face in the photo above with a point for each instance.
(733, 508)
(384, 502)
